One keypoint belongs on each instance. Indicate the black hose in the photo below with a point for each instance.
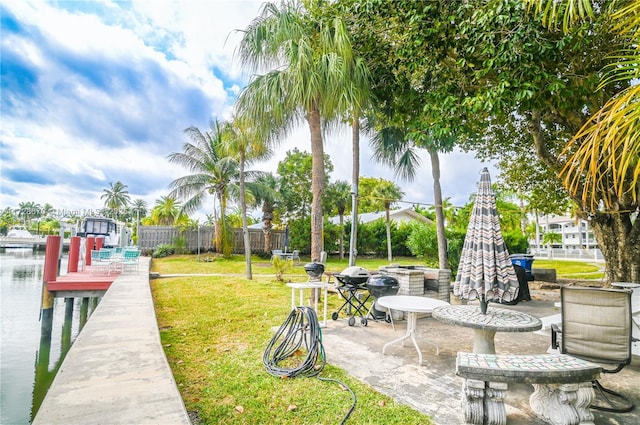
(300, 328)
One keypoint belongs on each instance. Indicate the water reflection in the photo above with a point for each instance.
(45, 372)
(35, 341)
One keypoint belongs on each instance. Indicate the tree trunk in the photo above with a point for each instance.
(317, 182)
(245, 225)
(355, 180)
(389, 253)
(443, 257)
(342, 235)
(619, 241)
(267, 216)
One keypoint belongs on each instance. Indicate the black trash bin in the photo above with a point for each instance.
(381, 286)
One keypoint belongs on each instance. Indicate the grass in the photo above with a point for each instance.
(214, 331)
(572, 269)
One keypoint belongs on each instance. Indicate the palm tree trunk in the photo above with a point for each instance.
(389, 253)
(245, 226)
(443, 260)
(355, 179)
(317, 181)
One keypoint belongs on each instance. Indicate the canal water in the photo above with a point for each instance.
(32, 344)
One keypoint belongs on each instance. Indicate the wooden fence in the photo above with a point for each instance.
(149, 237)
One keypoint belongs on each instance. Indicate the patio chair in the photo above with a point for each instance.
(295, 256)
(276, 253)
(596, 326)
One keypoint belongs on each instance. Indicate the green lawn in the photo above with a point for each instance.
(214, 331)
(572, 269)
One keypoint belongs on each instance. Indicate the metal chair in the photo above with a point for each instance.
(295, 256)
(597, 326)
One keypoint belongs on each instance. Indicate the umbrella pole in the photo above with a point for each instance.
(483, 304)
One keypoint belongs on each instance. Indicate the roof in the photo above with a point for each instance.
(400, 215)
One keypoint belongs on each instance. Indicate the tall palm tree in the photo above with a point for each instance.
(139, 209)
(27, 211)
(249, 145)
(266, 196)
(338, 196)
(397, 148)
(212, 173)
(387, 194)
(116, 197)
(308, 59)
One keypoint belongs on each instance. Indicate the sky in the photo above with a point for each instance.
(94, 92)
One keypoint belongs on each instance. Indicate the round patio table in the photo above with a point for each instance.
(412, 305)
(485, 326)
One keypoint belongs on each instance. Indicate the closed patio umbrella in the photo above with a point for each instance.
(286, 238)
(485, 271)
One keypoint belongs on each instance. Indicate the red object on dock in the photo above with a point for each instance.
(88, 248)
(74, 254)
(82, 281)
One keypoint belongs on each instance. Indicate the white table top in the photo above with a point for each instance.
(410, 303)
(307, 285)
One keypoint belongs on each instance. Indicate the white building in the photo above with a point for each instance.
(577, 238)
(401, 215)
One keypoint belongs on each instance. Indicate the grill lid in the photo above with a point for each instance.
(314, 269)
(355, 272)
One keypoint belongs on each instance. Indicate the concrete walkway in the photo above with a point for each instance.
(116, 371)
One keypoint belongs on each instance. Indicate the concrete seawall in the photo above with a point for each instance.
(116, 371)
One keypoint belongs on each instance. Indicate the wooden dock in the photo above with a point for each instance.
(81, 284)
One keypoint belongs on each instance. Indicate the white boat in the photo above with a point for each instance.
(19, 232)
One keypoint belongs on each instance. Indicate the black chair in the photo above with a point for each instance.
(596, 326)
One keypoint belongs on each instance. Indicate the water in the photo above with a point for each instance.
(33, 344)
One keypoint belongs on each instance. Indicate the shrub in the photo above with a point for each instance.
(163, 250)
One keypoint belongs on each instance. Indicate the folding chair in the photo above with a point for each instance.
(597, 326)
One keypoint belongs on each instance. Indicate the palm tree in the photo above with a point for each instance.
(388, 193)
(244, 141)
(395, 147)
(212, 173)
(139, 208)
(116, 197)
(308, 59)
(338, 195)
(266, 196)
(27, 211)
(167, 211)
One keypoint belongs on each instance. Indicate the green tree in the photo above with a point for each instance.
(338, 197)
(603, 166)
(387, 194)
(7, 219)
(212, 173)
(27, 211)
(295, 173)
(307, 56)
(243, 140)
(266, 196)
(167, 212)
(116, 198)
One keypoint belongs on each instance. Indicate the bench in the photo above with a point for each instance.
(562, 386)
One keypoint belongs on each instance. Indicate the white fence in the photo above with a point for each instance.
(568, 254)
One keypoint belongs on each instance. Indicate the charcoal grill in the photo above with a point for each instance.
(381, 286)
(314, 270)
(352, 289)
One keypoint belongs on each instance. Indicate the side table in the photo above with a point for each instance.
(301, 286)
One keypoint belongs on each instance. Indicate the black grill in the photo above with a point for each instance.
(314, 269)
(381, 286)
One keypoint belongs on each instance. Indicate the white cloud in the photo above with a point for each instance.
(95, 92)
